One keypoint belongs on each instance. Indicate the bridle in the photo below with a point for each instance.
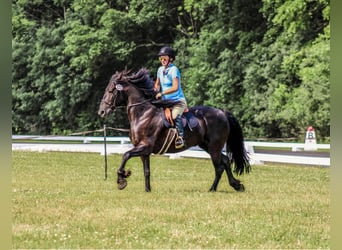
(112, 101)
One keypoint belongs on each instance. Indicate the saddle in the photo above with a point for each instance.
(188, 119)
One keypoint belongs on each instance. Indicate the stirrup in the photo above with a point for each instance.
(179, 142)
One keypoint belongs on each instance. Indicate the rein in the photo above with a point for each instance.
(112, 105)
(132, 105)
(119, 89)
(139, 103)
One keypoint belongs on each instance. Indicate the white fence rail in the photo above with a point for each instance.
(123, 144)
(84, 139)
(291, 145)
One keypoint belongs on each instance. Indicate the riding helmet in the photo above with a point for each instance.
(167, 51)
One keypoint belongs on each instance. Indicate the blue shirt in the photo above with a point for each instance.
(165, 79)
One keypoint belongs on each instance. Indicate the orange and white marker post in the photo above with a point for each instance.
(310, 140)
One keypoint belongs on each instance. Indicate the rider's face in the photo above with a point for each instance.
(164, 60)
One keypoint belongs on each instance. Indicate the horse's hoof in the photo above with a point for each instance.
(241, 188)
(122, 184)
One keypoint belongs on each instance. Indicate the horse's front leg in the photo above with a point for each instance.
(122, 174)
(146, 163)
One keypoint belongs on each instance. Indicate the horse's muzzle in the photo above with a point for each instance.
(101, 113)
(104, 111)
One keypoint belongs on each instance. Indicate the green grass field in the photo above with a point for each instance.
(60, 200)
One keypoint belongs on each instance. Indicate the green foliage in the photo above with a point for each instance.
(265, 60)
(281, 103)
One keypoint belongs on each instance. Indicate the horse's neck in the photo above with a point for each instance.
(139, 109)
(136, 104)
(136, 99)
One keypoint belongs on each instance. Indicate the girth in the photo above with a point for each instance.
(170, 137)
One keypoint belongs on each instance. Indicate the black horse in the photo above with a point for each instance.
(150, 134)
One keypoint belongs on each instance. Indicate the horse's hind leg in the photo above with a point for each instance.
(235, 183)
(219, 168)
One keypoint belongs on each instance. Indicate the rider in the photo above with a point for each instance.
(168, 86)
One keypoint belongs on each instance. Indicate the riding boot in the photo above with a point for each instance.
(179, 143)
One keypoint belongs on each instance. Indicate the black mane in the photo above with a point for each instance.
(140, 80)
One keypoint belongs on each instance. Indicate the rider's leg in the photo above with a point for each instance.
(177, 112)
(179, 143)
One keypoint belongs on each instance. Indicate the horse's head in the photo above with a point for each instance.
(114, 95)
(138, 86)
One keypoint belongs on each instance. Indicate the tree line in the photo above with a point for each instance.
(267, 61)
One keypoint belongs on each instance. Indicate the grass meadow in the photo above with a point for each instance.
(60, 200)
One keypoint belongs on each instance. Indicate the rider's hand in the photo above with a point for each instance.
(158, 95)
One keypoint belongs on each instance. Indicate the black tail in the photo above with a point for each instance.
(236, 146)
